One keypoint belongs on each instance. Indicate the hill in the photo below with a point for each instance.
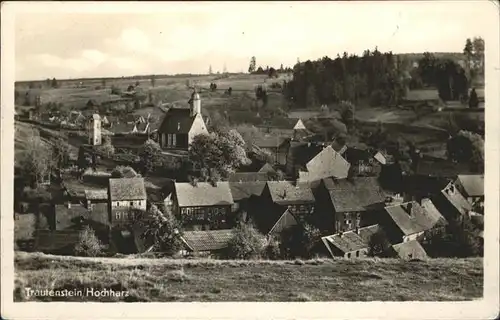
(164, 280)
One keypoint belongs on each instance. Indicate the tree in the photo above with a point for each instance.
(61, 154)
(153, 80)
(347, 110)
(247, 243)
(83, 161)
(88, 244)
(123, 171)
(467, 147)
(468, 53)
(478, 53)
(54, 83)
(150, 156)
(115, 90)
(459, 238)
(221, 151)
(106, 147)
(272, 73)
(36, 161)
(378, 244)
(253, 63)
(163, 230)
(300, 240)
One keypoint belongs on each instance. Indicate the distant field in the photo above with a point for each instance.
(164, 280)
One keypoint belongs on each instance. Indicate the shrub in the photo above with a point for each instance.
(247, 243)
(88, 245)
(272, 250)
(378, 243)
(162, 229)
(300, 241)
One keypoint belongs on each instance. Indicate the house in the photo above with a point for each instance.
(300, 131)
(181, 125)
(408, 221)
(408, 250)
(202, 205)
(362, 162)
(95, 196)
(273, 144)
(127, 197)
(244, 192)
(278, 196)
(207, 241)
(347, 204)
(471, 186)
(311, 162)
(451, 202)
(350, 244)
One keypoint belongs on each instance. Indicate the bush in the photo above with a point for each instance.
(247, 243)
(88, 245)
(273, 250)
(300, 241)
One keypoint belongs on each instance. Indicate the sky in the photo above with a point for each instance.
(114, 40)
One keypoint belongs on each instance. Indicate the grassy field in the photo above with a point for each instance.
(217, 280)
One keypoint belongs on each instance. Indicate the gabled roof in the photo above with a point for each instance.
(207, 240)
(472, 184)
(203, 194)
(267, 168)
(247, 176)
(327, 163)
(244, 190)
(410, 250)
(100, 194)
(454, 197)
(411, 217)
(287, 192)
(356, 194)
(286, 221)
(299, 125)
(350, 241)
(177, 120)
(127, 189)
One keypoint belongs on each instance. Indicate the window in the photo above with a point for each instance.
(131, 203)
(348, 255)
(174, 139)
(169, 139)
(357, 254)
(117, 215)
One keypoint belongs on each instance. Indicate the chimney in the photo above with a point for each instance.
(178, 126)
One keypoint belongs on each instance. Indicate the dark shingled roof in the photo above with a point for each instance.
(177, 120)
(351, 241)
(247, 176)
(98, 194)
(203, 194)
(303, 152)
(356, 194)
(473, 184)
(244, 190)
(410, 223)
(207, 240)
(127, 189)
(286, 192)
(410, 250)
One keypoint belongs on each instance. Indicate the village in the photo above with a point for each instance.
(361, 201)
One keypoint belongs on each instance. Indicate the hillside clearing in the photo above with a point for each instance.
(312, 280)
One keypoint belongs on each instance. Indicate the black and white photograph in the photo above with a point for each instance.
(250, 152)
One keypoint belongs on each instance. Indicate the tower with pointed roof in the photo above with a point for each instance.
(196, 104)
(94, 128)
